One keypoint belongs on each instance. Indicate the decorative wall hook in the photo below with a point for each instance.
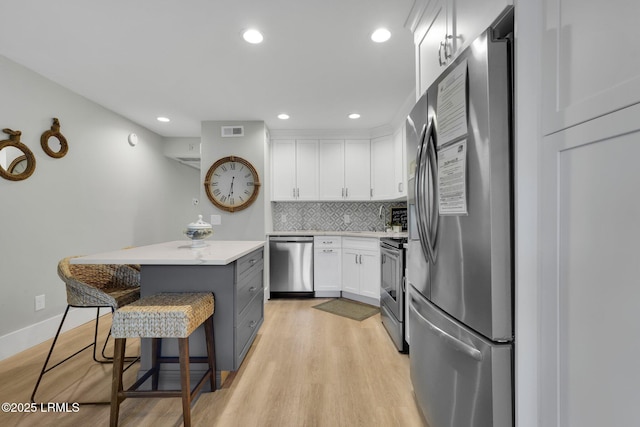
(55, 133)
(22, 165)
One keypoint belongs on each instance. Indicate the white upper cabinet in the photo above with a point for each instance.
(594, 67)
(331, 164)
(294, 170)
(400, 162)
(283, 157)
(443, 28)
(433, 47)
(345, 169)
(383, 168)
(357, 169)
(307, 169)
(338, 169)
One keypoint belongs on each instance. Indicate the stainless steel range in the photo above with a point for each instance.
(392, 289)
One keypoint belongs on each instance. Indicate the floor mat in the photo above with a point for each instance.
(347, 308)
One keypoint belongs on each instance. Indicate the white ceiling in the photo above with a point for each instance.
(185, 59)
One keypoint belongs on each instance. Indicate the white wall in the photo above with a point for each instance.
(249, 223)
(103, 195)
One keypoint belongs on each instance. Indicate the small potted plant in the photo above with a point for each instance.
(397, 227)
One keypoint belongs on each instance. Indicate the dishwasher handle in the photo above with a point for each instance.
(294, 239)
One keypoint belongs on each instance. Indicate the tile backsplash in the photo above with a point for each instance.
(330, 216)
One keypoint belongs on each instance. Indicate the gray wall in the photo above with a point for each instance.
(103, 195)
(250, 223)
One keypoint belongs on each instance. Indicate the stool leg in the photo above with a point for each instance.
(183, 345)
(211, 350)
(156, 351)
(116, 385)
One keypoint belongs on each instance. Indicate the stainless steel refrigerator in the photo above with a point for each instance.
(460, 255)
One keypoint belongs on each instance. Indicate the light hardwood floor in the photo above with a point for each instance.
(306, 368)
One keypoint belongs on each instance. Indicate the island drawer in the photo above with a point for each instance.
(248, 326)
(248, 264)
(247, 289)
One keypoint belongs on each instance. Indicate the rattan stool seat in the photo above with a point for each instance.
(166, 315)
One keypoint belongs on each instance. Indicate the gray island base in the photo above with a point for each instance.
(235, 279)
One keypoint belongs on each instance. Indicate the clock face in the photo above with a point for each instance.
(232, 183)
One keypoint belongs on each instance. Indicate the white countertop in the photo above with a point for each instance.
(369, 234)
(178, 252)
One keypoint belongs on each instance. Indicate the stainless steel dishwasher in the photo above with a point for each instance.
(291, 265)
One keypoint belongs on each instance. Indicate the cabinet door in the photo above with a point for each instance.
(430, 54)
(370, 274)
(400, 164)
(350, 271)
(383, 168)
(590, 232)
(593, 58)
(327, 270)
(331, 163)
(357, 169)
(283, 159)
(307, 169)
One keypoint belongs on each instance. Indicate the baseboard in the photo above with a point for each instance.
(361, 298)
(327, 294)
(25, 338)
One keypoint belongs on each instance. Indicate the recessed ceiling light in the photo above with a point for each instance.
(283, 116)
(163, 119)
(354, 116)
(381, 35)
(252, 36)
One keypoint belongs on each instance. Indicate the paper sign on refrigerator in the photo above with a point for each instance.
(452, 179)
(452, 105)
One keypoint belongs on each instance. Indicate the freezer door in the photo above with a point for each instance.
(459, 377)
(471, 278)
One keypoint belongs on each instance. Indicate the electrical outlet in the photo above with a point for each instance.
(283, 218)
(216, 219)
(39, 302)
(347, 219)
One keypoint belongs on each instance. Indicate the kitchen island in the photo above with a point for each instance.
(231, 270)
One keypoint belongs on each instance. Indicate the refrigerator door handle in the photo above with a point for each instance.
(455, 343)
(428, 244)
(419, 194)
(434, 216)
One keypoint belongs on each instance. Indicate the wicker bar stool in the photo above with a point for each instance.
(165, 315)
(93, 286)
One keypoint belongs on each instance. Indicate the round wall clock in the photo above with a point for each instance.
(232, 183)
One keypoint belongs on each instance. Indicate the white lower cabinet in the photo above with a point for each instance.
(327, 266)
(361, 269)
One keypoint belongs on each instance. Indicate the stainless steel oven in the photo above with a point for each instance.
(392, 289)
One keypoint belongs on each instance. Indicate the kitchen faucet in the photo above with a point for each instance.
(383, 218)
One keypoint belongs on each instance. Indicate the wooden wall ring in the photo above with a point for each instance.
(14, 141)
(54, 132)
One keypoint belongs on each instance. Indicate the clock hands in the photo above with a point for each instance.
(231, 188)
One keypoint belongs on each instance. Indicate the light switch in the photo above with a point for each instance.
(216, 219)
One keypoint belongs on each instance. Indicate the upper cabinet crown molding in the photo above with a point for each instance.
(415, 14)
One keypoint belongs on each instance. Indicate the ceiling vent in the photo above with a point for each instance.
(231, 131)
